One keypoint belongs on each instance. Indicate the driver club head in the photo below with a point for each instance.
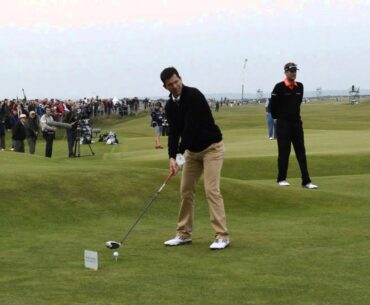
(112, 244)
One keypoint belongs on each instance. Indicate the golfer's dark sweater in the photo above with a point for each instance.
(191, 121)
(286, 102)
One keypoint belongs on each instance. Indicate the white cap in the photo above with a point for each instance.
(22, 116)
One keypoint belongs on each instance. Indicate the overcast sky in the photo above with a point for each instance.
(77, 48)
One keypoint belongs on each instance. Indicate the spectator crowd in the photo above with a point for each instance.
(22, 117)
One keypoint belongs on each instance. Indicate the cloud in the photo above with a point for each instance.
(84, 13)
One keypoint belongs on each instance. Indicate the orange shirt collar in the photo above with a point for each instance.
(290, 85)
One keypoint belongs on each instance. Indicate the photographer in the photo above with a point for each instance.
(71, 117)
(157, 120)
(48, 132)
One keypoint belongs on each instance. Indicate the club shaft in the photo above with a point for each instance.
(146, 207)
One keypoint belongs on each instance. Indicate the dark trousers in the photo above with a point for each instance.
(31, 144)
(2, 142)
(19, 146)
(49, 138)
(291, 133)
(71, 138)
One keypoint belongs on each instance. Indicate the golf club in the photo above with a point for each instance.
(114, 244)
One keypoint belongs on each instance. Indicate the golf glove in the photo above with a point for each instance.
(180, 160)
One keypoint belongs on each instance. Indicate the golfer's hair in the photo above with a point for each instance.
(168, 73)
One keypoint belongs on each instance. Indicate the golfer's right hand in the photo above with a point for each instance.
(174, 168)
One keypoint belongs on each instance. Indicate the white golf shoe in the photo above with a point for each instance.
(219, 244)
(284, 183)
(310, 186)
(178, 240)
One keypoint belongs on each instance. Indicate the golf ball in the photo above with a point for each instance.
(115, 254)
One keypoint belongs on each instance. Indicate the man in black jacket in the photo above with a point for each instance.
(192, 130)
(32, 130)
(286, 99)
(19, 134)
(71, 117)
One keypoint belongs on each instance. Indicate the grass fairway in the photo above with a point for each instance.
(289, 246)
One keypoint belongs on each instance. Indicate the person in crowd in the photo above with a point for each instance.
(40, 110)
(271, 124)
(286, 99)
(6, 111)
(217, 106)
(19, 134)
(192, 130)
(13, 121)
(2, 131)
(71, 117)
(157, 116)
(48, 131)
(32, 130)
(101, 109)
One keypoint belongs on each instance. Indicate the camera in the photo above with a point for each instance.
(84, 131)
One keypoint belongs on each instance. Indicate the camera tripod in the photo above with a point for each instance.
(77, 147)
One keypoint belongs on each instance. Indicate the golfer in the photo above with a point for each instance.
(286, 99)
(192, 130)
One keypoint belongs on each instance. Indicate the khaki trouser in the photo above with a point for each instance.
(208, 161)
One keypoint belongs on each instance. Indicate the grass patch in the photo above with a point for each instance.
(288, 245)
